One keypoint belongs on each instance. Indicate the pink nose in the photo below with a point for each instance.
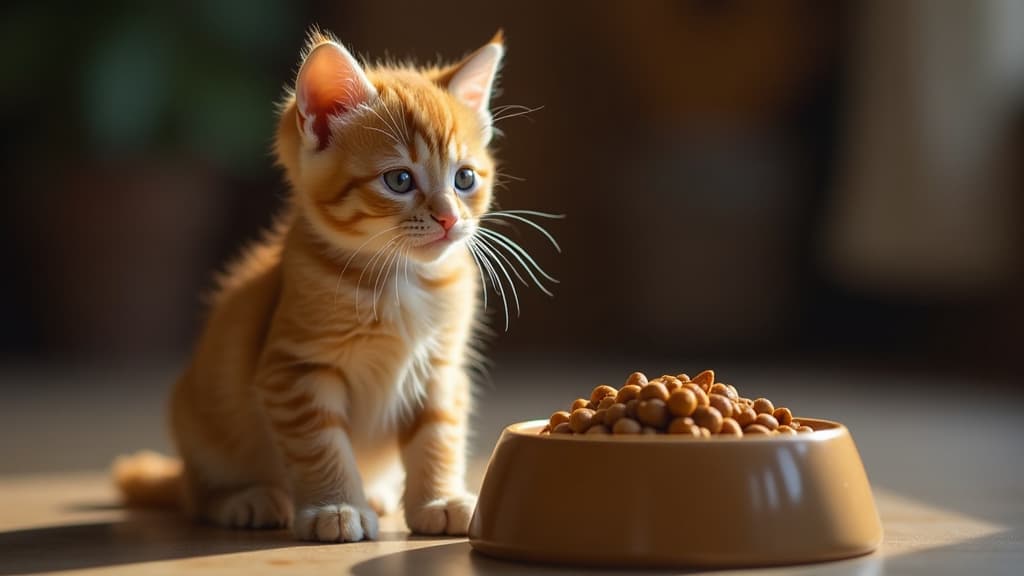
(446, 220)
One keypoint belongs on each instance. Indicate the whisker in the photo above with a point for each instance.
(337, 285)
(385, 269)
(371, 262)
(507, 261)
(394, 122)
(511, 284)
(479, 268)
(384, 132)
(519, 253)
(512, 214)
(520, 111)
(501, 288)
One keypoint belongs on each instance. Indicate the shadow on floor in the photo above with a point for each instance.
(994, 554)
(143, 536)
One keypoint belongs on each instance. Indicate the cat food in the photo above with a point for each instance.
(697, 407)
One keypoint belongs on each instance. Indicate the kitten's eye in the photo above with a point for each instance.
(399, 181)
(465, 179)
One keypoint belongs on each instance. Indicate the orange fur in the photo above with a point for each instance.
(334, 354)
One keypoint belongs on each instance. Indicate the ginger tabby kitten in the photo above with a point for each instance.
(334, 357)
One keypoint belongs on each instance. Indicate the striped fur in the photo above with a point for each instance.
(333, 362)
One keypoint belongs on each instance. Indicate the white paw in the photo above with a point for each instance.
(335, 523)
(255, 507)
(449, 515)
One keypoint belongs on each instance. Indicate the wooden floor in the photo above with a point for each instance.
(944, 458)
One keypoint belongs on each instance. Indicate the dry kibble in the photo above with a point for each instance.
(708, 417)
(702, 396)
(767, 420)
(756, 430)
(601, 391)
(783, 415)
(730, 428)
(654, 390)
(683, 426)
(763, 406)
(636, 379)
(626, 426)
(746, 417)
(722, 404)
(614, 412)
(628, 392)
(580, 419)
(557, 418)
(677, 405)
(682, 402)
(652, 412)
(705, 379)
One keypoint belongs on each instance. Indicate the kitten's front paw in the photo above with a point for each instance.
(449, 515)
(335, 523)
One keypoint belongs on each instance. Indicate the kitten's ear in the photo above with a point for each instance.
(472, 80)
(330, 83)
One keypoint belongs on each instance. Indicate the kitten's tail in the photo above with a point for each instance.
(147, 479)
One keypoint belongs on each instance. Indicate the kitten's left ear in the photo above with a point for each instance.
(472, 80)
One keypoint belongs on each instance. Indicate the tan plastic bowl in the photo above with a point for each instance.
(671, 502)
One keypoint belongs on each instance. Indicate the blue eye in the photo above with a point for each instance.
(399, 181)
(465, 179)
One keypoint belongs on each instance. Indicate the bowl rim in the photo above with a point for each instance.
(531, 428)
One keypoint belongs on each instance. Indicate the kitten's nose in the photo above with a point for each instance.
(445, 220)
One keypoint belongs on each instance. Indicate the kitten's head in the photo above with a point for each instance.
(390, 157)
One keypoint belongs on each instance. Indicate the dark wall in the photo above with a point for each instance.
(693, 146)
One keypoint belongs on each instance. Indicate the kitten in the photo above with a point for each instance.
(334, 357)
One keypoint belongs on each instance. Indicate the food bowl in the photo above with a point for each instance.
(664, 501)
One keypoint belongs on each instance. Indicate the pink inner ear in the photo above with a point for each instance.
(330, 83)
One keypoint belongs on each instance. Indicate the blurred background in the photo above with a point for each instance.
(793, 183)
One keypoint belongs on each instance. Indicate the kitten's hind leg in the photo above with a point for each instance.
(252, 507)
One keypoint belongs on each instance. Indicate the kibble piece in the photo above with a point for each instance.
(628, 392)
(580, 420)
(579, 403)
(557, 418)
(719, 388)
(682, 402)
(805, 429)
(601, 391)
(562, 428)
(684, 377)
(631, 408)
(704, 432)
(599, 416)
(767, 420)
(636, 379)
(730, 428)
(745, 417)
(614, 412)
(671, 382)
(784, 429)
(722, 404)
(763, 406)
(705, 379)
(683, 426)
(783, 415)
(734, 393)
(756, 430)
(652, 412)
(708, 417)
(626, 426)
(654, 390)
(648, 430)
(606, 402)
(599, 429)
(591, 405)
(546, 429)
(702, 396)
